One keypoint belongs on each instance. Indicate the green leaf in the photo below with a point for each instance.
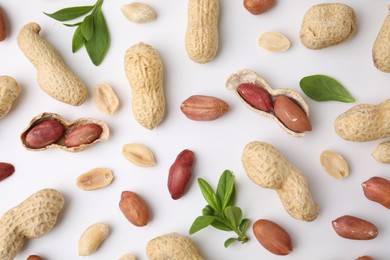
(200, 223)
(208, 194)
(72, 24)
(324, 88)
(244, 225)
(70, 13)
(225, 189)
(87, 27)
(229, 241)
(97, 46)
(208, 211)
(233, 215)
(78, 40)
(218, 224)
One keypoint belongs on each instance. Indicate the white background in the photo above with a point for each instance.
(218, 145)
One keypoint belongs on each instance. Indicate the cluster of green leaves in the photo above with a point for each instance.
(220, 211)
(92, 31)
(324, 88)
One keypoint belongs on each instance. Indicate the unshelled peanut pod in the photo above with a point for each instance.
(54, 77)
(381, 48)
(268, 168)
(202, 37)
(364, 122)
(144, 71)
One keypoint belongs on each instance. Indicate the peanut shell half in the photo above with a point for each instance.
(69, 126)
(251, 77)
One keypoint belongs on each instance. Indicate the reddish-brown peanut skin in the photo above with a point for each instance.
(45, 133)
(256, 7)
(3, 25)
(34, 257)
(6, 170)
(180, 174)
(203, 108)
(351, 227)
(291, 114)
(365, 257)
(134, 208)
(256, 96)
(377, 189)
(272, 237)
(83, 134)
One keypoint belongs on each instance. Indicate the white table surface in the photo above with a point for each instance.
(217, 145)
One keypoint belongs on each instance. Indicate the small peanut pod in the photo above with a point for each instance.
(172, 246)
(3, 25)
(91, 238)
(180, 174)
(201, 40)
(288, 108)
(52, 130)
(327, 24)
(144, 71)
(32, 218)
(352, 227)
(364, 122)
(381, 48)
(53, 75)
(382, 152)
(9, 91)
(268, 168)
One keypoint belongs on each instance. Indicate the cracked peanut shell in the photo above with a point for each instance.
(251, 77)
(69, 126)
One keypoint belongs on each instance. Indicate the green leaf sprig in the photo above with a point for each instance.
(220, 211)
(92, 31)
(324, 88)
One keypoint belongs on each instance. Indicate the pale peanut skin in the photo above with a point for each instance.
(364, 122)
(32, 218)
(381, 48)
(327, 24)
(172, 246)
(202, 39)
(91, 238)
(144, 71)
(268, 168)
(53, 75)
(382, 152)
(9, 91)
